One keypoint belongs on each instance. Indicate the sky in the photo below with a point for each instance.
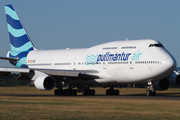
(60, 24)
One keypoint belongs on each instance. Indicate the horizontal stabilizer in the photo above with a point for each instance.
(8, 58)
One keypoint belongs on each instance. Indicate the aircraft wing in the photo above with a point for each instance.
(84, 74)
(6, 71)
(177, 68)
(81, 74)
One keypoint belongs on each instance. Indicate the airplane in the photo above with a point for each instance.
(107, 65)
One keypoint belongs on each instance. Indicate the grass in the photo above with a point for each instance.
(87, 108)
(99, 91)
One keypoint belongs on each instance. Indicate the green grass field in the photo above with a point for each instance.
(85, 108)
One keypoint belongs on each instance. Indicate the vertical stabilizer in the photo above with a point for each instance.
(20, 42)
(19, 39)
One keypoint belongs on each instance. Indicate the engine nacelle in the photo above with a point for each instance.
(44, 82)
(162, 84)
(174, 79)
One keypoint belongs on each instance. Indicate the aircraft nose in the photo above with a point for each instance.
(171, 63)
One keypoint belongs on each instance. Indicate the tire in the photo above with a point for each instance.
(74, 92)
(117, 92)
(153, 93)
(92, 92)
(148, 93)
(84, 92)
(107, 92)
(60, 92)
(70, 92)
(66, 91)
(56, 92)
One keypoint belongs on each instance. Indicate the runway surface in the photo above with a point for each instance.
(98, 96)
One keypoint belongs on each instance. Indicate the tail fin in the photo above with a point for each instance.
(20, 42)
(19, 38)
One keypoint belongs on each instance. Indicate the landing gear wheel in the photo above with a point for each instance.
(89, 92)
(65, 92)
(61, 92)
(70, 92)
(56, 92)
(84, 92)
(117, 92)
(92, 92)
(148, 92)
(107, 92)
(112, 92)
(151, 93)
(74, 92)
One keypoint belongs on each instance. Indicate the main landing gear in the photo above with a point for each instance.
(89, 92)
(65, 92)
(111, 91)
(84, 89)
(73, 92)
(151, 91)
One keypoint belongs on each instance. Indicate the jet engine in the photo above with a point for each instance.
(162, 84)
(174, 79)
(44, 82)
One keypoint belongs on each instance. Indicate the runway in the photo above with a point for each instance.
(98, 96)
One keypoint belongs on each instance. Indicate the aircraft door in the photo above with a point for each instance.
(150, 65)
(131, 64)
(74, 63)
(104, 65)
(51, 63)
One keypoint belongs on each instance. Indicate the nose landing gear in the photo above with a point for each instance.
(151, 91)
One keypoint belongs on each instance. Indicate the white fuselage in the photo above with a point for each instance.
(117, 62)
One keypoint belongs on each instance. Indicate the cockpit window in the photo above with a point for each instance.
(156, 45)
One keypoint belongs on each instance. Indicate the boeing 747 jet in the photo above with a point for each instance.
(109, 64)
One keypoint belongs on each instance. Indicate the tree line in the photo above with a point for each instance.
(10, 80)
